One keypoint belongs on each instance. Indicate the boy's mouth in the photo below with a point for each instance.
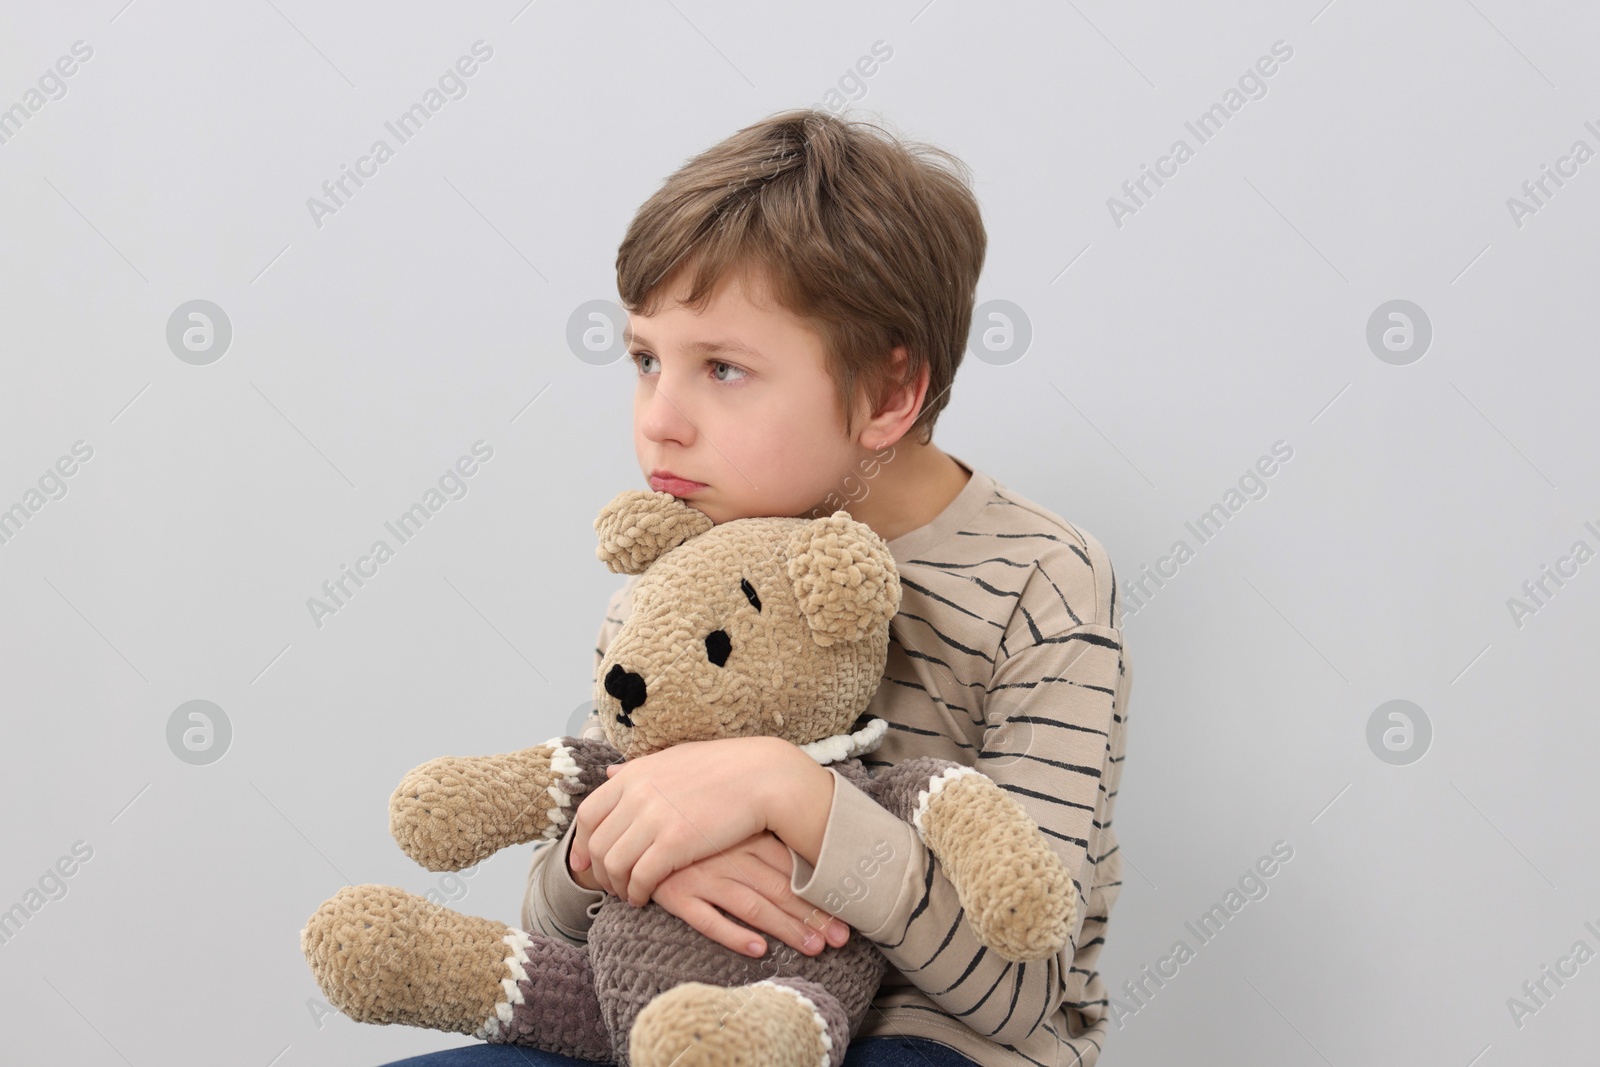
(667, 482)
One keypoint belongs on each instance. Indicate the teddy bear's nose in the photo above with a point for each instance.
(626, 687)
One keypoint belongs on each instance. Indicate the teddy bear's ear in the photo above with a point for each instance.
(638, 527)
(844, 578)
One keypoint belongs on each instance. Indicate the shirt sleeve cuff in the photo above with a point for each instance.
(568, 905)
(870, 863)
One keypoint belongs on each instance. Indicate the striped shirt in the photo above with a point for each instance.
(1006, 655)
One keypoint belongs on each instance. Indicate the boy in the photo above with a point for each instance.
(800, 297)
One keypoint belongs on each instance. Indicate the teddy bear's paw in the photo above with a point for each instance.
(1015, 889)
(782, 1022)
(382, 955)
(454, 811)
(638, 527)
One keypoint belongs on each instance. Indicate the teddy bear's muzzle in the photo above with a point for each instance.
(628, 688)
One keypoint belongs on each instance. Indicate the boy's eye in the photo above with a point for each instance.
(716, 365)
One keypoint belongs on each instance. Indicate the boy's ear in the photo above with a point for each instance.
(639, 526)
(844, 578)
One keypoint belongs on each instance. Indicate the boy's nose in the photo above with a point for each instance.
(628, 688)
(662, 420)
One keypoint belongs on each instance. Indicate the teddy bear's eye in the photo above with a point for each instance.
(750, 592)
(718, 646)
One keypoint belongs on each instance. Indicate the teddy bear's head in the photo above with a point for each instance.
(752, 627)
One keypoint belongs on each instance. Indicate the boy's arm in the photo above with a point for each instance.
(1052, 713)
(554, 902)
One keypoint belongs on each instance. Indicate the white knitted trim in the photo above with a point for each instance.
(925, 796)
(562, 764)
(816, 1016)
(844, 746)
(516, 960)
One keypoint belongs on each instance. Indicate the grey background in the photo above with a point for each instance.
(1167, 355)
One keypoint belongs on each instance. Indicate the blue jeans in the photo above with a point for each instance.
(867, 1052)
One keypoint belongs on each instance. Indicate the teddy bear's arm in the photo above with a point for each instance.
(454, 811)
(1012, 885)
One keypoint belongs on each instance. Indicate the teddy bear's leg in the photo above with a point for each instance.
(1015, 889)
(782, 1022)
(382, 955)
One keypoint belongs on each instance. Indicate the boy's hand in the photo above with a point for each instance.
(751, 881)
(661, 812)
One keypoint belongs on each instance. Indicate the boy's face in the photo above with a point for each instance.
(760, 428)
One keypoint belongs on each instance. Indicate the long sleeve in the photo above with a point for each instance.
(1050, 712)
(553, 902)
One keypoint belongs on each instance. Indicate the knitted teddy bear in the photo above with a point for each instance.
(761, 626)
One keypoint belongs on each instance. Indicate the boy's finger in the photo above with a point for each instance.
(601, 841)
(765, 915)
(622, 856)
(713, 924)
(647, 873)
(578, 850)
(779, 912)
(592, 811)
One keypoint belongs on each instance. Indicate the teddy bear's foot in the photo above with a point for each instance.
(1015, 889)
(781, 1022)
(382, 955)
